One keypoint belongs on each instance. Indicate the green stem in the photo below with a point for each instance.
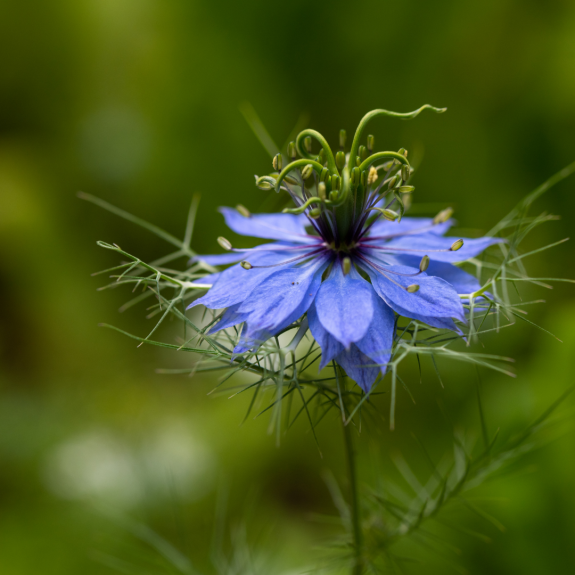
(355, 512)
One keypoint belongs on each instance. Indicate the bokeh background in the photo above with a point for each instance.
(137, 102)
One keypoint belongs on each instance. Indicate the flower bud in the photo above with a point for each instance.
(244, 211)
(362, 152)
(324, 175)
(424, 263)
(277, 163)
(370, 143)
(346, 264)
(412, 288)
(406, 189)
(443, 216)
(456, 245)
(390, 215)
(307, 144)
(321, 190)
(342, 138)
(314, 213)
(405, 173)
(226, 244)
(307, 172)
(246, 265)
(340, 160)
(372, 176)
(292, 153)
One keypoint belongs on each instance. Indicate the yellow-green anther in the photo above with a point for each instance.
(291, 181)
(357, 161)
(403, 152)
(307, 172)
(405, 173)
(314, 213)
(246, 265)
(321, 157)
(391, 182)
(372, 176)
(412, 288)
(324, 175)
(406, 189)
(321, 190)
(363, 178)
(456, 245)
(226, 244)
(292, 153)
(333, 196)
(346, 264)
(362, 152)
(307, 144)
(424, 263)
(342, 138)
(443, 216)
(265, 183)
(390, 215)
(277, 163)
(334, 182)
(370, 143)
(244, 211)
(387, 165)
(340, 160)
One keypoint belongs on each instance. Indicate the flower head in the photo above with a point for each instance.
(344, 257)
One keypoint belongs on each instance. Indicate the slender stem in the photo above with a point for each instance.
(355, 512)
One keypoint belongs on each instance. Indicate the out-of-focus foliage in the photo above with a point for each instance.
(137, 102)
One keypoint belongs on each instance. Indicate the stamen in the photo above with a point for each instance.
(244, 211)
(247, 266)
(392, 249)
(340, 160)
(457, 245)
(277, 163)
(314, 213)
(226, 244)
(372, 176)
(412, 288)
(342, 138)
(424, 263)
(443, 216)
(387, 214)
(279, 248)
(307, 172)
(370, 143)
(321, 190)
(346, 264)
(385, 270)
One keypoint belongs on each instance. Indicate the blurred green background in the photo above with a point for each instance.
(137, 102)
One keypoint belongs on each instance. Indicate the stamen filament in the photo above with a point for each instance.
(302, 257)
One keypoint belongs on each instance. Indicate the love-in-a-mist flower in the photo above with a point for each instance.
(344, 257)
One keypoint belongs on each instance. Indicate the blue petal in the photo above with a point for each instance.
(344, 306)
(459, 279)
(207, 280)
(283, 296)
(235, 284)
(229, 318)
(383, 227)
(439, 322)
(424, 244)
(271, 226)
(359, 367)
(435, 298)
(378, 340)
(330, 347)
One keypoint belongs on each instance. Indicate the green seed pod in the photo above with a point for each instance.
(226, 244)
(412, 288)
(342, 138)
(307, 144)
(406, 189)
(244, 211)
(292, 153)
(370, 143)
(443, 216)
(246, 265)
(456, 245)
(314, 213)
(346, 264)
(424, 263)
(340, 160)
(405, 173)
(307, 172)
(277, 163)
(321, 192)
(362, 152)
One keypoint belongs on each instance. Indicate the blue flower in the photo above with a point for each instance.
(349, 262)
